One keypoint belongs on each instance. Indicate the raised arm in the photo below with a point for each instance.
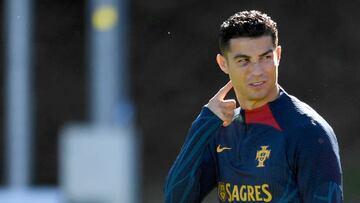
(193, 174)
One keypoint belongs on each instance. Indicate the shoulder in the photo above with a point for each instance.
(301, 123)
(313, 142)
(313, 134)
(294, 114)
(308, 120)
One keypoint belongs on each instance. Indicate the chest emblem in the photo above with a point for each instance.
(220, 149)
(262, 155)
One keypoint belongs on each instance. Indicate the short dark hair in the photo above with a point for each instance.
(246, 24)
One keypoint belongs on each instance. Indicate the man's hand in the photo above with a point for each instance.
(224, 109)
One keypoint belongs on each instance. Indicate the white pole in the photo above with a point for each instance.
(99, 160)
(18, 108)
(108, 30)
(18, 87)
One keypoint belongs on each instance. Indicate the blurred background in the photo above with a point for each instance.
(172, 73)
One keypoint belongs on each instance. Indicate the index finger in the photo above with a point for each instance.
(223, 91)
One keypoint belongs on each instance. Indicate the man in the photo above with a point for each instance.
(274, 148)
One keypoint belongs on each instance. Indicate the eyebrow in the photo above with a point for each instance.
(246, 56)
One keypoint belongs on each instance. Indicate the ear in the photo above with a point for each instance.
(278, 55)
(221, 61)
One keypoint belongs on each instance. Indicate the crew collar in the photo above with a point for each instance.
(263, 114)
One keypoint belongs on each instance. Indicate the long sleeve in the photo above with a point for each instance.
(318, 171)
(192, 175)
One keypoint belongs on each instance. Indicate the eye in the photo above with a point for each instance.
(266, 57)
(243, 61)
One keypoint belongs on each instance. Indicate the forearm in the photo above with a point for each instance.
(183, 180)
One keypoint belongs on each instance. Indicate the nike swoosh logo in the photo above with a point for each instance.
(220, 149)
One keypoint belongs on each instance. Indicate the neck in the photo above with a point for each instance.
(253, 104)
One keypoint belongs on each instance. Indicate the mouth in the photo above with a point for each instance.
(257, 84)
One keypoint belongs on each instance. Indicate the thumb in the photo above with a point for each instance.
(230, 103)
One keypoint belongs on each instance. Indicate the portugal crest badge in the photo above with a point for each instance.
(262, 155)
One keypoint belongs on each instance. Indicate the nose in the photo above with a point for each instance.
(257, 69)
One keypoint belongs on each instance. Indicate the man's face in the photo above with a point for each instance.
(252, 65)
